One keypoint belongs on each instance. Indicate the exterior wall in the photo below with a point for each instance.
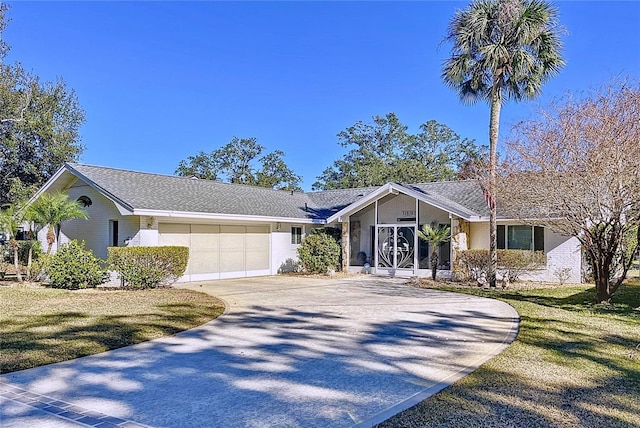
(392, 208)
(430, 214)
(562, 252)
(147, 235)
(284, 254)
(95, 231)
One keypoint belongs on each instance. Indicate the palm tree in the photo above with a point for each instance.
(51, 209)
(11, 217)
(502, 49)
(434, 236)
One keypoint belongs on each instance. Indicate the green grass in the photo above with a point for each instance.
(42, 325)
(574, 364)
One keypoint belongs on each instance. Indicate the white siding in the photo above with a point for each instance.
(95, 230)
(284, 254)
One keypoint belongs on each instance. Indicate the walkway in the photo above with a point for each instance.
(289, 352)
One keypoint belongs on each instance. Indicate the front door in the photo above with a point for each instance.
(396, 249)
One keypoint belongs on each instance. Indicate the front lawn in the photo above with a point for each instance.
(43, 325)
(574, 364)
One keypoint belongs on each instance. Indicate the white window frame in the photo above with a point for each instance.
(296, 238)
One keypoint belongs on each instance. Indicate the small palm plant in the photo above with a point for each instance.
(51, 209)
(435, 236)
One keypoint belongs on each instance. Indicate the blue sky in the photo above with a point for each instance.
(160, 81)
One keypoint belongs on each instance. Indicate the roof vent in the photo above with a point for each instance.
(193, 177)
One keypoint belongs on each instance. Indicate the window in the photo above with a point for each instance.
(113, 233)
(519, 237)
(296, 235)
(85, 201)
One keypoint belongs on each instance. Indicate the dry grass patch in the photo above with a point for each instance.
(42, 325)
(574, 364)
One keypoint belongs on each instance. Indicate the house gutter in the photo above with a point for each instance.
(225, 217)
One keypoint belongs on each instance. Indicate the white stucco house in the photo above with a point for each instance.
(236, 231)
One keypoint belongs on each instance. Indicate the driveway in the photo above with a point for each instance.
(288, 352)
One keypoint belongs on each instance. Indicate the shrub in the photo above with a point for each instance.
(3, 268)
(471, 263)
(38, 270)
(6, 253)
(148, 267)
(319, 252)
(511, 263)
(72, 267)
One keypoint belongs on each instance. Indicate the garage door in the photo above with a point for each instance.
(220, 251)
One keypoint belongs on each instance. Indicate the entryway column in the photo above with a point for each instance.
(345, 245)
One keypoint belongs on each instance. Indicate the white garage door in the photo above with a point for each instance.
(219, 251)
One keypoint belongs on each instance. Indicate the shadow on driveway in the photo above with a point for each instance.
(288, 353)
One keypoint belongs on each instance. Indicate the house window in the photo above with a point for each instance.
(296, 235)
(520, 237)
(113, 233)
(85, 201)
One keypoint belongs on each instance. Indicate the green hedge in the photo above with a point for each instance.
(148, 267)
(72, 267)
(511, 263)
(319, 252)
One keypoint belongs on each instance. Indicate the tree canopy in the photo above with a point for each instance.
(501, 49)
(384, 150)
(39, 127)
(578, 167)
(241, 161)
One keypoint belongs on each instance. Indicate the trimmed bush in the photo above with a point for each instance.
(148, 267)
(511, 263)
(470, 264)
(318, 253)
(73, 267)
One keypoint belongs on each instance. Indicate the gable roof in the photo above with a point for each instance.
(143, 193)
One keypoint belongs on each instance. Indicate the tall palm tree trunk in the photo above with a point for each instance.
(51, 238)
(494, 125)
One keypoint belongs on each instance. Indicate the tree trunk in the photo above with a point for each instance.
(29, 261)
(16, 263)
(494, 124)
(603, 290)
(51, 238)
(601, 278)
(434, 264)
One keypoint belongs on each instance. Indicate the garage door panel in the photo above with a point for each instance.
(234, 250)
(205, 245)
(257, 248)
(175, 234)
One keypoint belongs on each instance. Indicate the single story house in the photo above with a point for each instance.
(236, 231)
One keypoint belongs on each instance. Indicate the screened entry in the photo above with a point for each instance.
(396, 247)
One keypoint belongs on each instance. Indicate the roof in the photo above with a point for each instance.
(141, 192)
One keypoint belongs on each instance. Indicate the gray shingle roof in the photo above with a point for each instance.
(146, 191)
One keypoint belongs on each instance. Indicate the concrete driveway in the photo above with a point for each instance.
(289, 352)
